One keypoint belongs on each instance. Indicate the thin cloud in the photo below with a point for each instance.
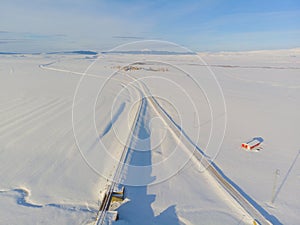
(97, 24)
(129, 37)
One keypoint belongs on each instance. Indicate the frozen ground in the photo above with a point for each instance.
(45, 179)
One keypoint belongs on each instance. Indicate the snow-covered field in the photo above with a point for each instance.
(64, 120)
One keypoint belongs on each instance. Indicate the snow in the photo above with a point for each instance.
(65, 119)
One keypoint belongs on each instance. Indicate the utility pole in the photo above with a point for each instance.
(277, 173)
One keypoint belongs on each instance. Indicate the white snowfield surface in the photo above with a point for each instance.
(64, 120)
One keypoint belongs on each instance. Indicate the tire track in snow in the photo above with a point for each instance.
(29, 114)
(18, 109)
(57, 139)
(29, 102)
(60, 134)
(51, 115)
(47, 142)
(13, 104)
(36, 121)
(23, 110)
(4, 101)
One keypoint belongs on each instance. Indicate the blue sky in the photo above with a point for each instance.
(201, 25)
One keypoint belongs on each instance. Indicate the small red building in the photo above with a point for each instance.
(251, 144)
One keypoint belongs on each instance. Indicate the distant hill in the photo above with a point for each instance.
(80, 52)
(149, 52)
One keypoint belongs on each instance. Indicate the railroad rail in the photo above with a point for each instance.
(104, 207)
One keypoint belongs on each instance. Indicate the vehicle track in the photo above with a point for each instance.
(30, 113)
(41, 120)
(36, 121)
(15, 103)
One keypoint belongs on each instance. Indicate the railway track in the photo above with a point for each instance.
(101, 215)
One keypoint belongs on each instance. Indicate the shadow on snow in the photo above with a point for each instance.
(138, 210)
